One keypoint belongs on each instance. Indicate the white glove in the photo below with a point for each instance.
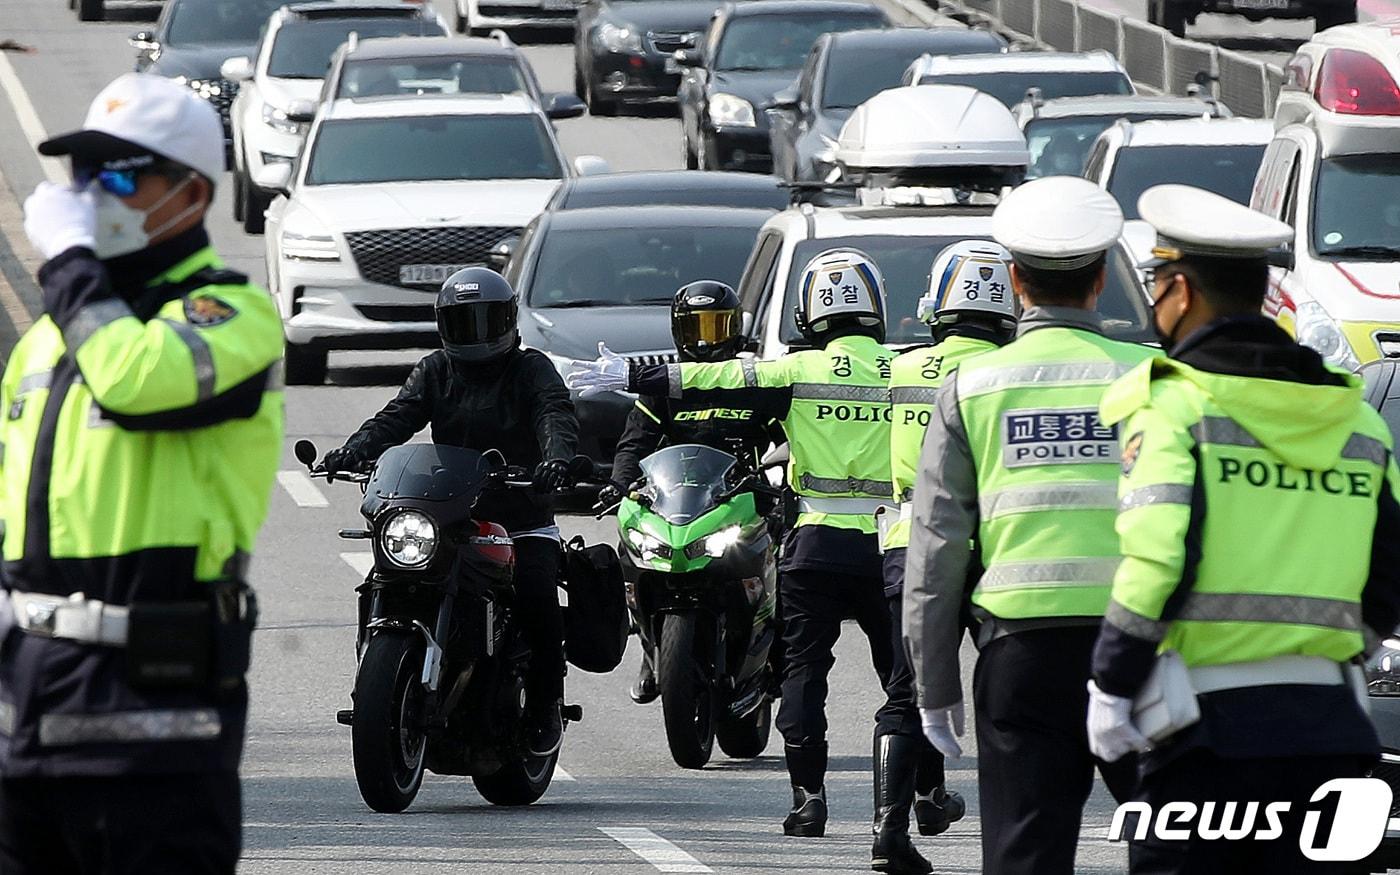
(607, 374)
(1112, 734)
(57, 218)
(943, 727)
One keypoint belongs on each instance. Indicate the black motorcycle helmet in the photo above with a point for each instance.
(706, 323)
(476, 315)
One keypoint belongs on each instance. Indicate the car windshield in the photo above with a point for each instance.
(1357, 207)
(479, 75)
(904, 262)
(303, 49)
(780, 42)
(201, 22)
(1011, 88)
(686, 481)
(612, 267)
(422, 148)
(760, 193)
(853, 77)
(1225, 170)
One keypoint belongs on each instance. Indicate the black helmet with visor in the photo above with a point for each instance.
(476, 315)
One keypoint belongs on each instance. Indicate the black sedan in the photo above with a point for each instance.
(678, 187)
(609, 274)
(192, 38)
(751, 52)
(624, 50)
(844, 70)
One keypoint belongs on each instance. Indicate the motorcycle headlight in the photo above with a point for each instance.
(714, 545)
(276, 119)
(726, 109)
(409, 539)
(619, 38)
(648, 546)
(1318, 330)
(1383, 669)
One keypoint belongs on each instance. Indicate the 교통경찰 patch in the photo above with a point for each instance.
(1056, 437)
(1131, 449)
(207, 310)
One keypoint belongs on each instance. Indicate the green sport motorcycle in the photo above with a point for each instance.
(700, 562)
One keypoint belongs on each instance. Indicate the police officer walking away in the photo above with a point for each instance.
(1242, 425)
(143, 428)
(833, 403)
(1016, 459)
(706, 325)
(969, 309)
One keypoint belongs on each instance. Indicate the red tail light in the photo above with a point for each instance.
(1354, 83)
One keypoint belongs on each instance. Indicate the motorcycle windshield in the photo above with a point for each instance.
(428, 472)
(687, 481)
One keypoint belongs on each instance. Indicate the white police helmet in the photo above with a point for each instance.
(841, 287)
(971, 276)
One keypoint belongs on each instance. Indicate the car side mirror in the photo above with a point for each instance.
(500, 254)
(274, 177)
(786, 101)
(564, 105)
(237, 69)
(144, 40)
(301, 111)
(591, 165)
(689, 58)
(1282, 257)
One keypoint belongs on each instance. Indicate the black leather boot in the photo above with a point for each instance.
(935, 808)
(896, 759)
(645, 691)
(807, 771)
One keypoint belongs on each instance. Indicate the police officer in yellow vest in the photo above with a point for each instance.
(1261, 542)
(142, 427)
(833, 403)
(1017, 460)
(969, 309)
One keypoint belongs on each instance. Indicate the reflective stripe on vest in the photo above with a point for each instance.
(912, 394)
(1022, 376)
(839, 486)
(1089, 495)
(173, 724)
(839, 505)
(1207, 607)
(1091, 571)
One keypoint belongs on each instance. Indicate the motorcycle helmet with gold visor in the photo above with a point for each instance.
(706, 322)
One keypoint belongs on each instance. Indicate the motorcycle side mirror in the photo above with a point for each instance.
(305, 452)
(775, 458)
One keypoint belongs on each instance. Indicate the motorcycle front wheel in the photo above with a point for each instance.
(687, 691)
(746, 737)
(521, 782)
(387, 738)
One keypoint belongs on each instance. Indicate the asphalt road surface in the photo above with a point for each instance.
(622, 805)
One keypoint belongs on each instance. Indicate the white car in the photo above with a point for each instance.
(478, 16)
(1350, 71)
(279, 84)
(1337, 288)
(1217, 154)
(1010, 76)
(389, 199)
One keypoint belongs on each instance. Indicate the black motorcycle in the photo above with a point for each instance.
(442, 664)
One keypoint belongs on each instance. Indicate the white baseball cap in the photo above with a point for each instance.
(1057, 223)
(139, 115)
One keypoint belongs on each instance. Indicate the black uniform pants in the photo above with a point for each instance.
(1034, 768)
(541, 620)
(1200, 776)
(900, 713)
(188, 824)
(813, 605)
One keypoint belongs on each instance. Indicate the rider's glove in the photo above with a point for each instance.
(550, 475)
(341, 460)
(610, 495)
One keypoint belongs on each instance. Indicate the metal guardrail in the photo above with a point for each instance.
(1156, 60)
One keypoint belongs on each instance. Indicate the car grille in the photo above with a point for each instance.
(385, 313)
(1389, 771)
(219, 92)
(380, 254)
(653, 358)
(665, 43)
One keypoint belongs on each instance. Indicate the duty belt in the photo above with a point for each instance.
(1291, 669)
(75, 618)
(854, 506)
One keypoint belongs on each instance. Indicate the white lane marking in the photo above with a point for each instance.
(29, 121)
(561, 775)
(301, 489)
(361, 562)
(651, 847)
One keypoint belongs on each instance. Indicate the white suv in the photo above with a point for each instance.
(389, 198)
(268, 125)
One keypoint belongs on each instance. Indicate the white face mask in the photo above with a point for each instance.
(121, 229)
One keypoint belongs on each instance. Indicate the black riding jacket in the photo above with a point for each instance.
(516, 404)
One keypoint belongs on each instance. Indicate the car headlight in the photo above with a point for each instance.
(1316, 329)
(726, 109)
(1383, 669)
(276, 118)
(618, 38)
(309, 241)
(409, 539)
(648, 546)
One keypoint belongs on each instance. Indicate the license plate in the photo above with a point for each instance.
(1260, 4)
(672, 66)
(557, 5)
(427, 274)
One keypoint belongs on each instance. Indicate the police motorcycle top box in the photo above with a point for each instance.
(441, 677)
(700, 563)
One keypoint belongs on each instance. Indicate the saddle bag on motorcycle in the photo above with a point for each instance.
(595, 619)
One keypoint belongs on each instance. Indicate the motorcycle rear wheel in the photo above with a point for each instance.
(521, 782)
(387, 740)
(687, 692)
(746, 737)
